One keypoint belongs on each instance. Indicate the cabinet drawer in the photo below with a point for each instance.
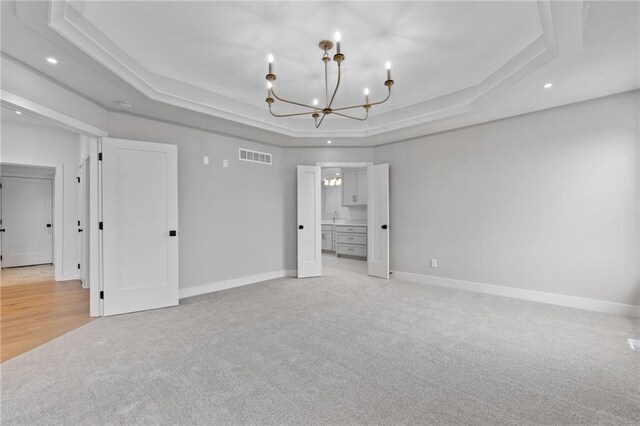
(354, 229)
(351, 250)
(351, 238)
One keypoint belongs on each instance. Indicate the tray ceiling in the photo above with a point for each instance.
(202, 64)
(448, 57)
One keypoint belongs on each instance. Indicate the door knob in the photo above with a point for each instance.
(173, 233)
(79, 229)
(48, 225)
(2, 230)
(384, 226)
(300, 226)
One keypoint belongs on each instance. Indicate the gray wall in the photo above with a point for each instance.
(230, 219)
(545, 201)
(308, 156)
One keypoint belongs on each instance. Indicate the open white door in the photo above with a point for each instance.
(27, 210)
(309, 227)
(140, 223)
(378, 221)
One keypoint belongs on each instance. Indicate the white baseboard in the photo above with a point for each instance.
(69, 277)
(519, 293)
(234, 282)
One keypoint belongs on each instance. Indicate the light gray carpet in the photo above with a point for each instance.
(334, 350)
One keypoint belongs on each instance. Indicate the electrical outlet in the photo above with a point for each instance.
(434, 263)
(225, 163)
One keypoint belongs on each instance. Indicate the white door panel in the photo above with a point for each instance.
(309, 227)
(140, 208)
(27, 212)
(378, 220)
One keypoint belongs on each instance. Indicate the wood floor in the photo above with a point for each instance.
(38, 309)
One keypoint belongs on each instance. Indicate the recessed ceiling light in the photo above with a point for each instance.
(52, 60)
(328, 141)
(19, 112)
(124, 105)
(548, 85)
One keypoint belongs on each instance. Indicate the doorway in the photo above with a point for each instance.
(26, 215)
(344, 220)
(343, 213)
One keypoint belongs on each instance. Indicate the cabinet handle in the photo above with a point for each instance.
(384, 226)
(300, 226)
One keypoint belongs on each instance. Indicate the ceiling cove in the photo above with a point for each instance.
(560, 34)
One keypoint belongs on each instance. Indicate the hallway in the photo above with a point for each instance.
(37, 309)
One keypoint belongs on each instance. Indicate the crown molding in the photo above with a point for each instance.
(561, 34)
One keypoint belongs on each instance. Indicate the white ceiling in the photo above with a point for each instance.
(454, 63)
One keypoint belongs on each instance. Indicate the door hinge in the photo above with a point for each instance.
(100, 226)
(101, 294)
(78, 179)
(99, 156)
(78, 266)
(0, 257)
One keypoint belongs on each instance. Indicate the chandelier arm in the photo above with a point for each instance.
(320, 122)
(326, 85)
(292, 102)
(289, 115)
(366, 115)
(361, 106)
(337, 85)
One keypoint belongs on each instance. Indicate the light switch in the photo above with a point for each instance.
(225, 163)
(205, 160)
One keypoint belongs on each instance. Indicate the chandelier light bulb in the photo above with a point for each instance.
(339, 181)
(315, 102)
(269, 85)
(270, 60)
(387, 65)
(337, 36)
(366, 91)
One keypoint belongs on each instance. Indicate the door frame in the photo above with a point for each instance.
(58, 181)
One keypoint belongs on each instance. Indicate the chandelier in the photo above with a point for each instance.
(317, 112)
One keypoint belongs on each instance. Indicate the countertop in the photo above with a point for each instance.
(344, 223)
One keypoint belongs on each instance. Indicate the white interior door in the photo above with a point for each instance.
(140, 223)
(378, 220)
(309, 222)
(27, 210)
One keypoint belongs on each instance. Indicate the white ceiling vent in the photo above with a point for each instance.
(255, 156)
